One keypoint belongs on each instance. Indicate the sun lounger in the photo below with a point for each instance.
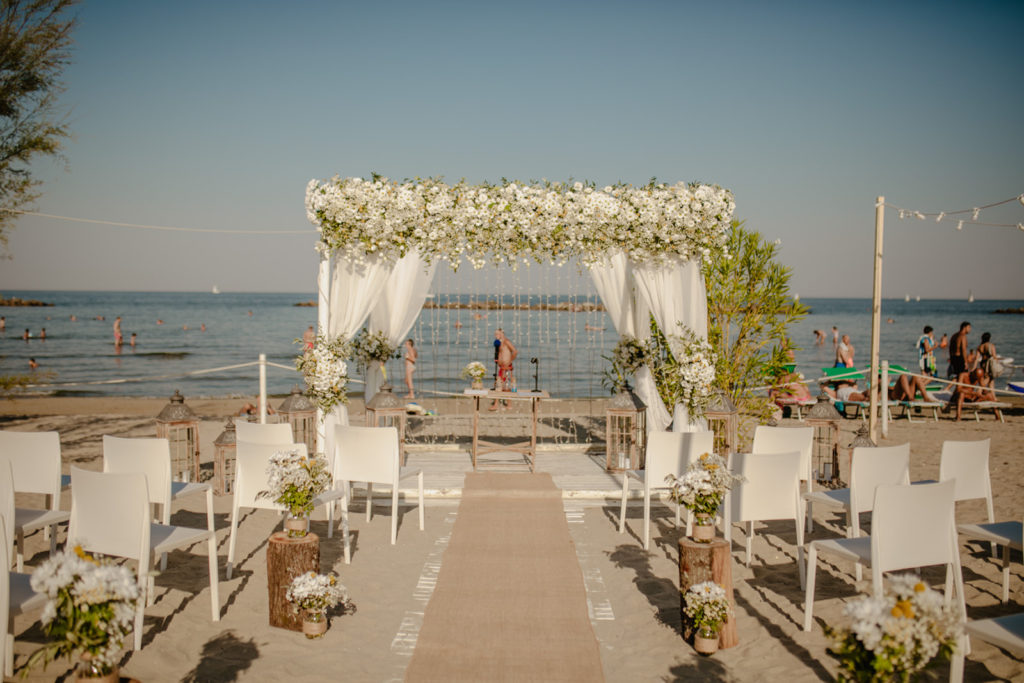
(997, 408)
(910, 407)
(860, 409)
(795, 404)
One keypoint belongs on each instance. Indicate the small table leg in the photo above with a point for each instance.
(476, 427)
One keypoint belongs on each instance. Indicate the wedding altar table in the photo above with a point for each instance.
(528, 449)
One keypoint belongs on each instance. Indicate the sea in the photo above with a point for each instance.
(207, 345)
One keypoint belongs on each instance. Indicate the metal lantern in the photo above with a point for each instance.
(625, 431)
(824, 417)
(861, 439)
(723, 420)
(300, 412)
(180, 426)
(387, 410)
(224, 459)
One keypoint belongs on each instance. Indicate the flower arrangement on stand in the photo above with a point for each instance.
(701, 491)
(90, 609)
(693, 373)
(373, 347)
(894, 637)
(707, 605)
(325, 370)
(311, 595)
(629, 355)
(474, 371)
(294, 480)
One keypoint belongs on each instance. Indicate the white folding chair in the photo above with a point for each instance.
(667, 453)
(16, 594)
(251, 462)
(770, 491)
(869, 468)
(35, 463)
(110, 514)
(911, 527)
(370, 455)
(254, 432)
(1003, 632)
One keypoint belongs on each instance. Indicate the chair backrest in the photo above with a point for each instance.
(6, 502)
(966, 462)
(150, 456)
(771, 489)
(251, 462)
(872, 467)
(5, 587)
(367, 454)
(110, 514)
(35, 460)
(254, 432)
(912, 526)
(786, 440)
(672, 452)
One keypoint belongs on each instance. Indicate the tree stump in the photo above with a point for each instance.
(699, 562)
(286, 559)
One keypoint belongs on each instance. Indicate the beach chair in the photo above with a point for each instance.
(252, 460)
(667, 453)
(770, 491)
(997, 408)
(152, 457)
(35, 466)
(786, 440)
(1003, 632)
(16, 594)
(795, 404)
(254, 432)
(370, 455)
(912, 526)
(869, 468)
(110, 514)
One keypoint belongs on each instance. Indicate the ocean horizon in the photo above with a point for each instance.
(171, 342)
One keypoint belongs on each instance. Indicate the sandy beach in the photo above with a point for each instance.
(632, 593)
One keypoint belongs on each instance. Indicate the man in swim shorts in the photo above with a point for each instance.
(506, 353)
(958, 351)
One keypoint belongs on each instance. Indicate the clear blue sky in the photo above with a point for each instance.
(217, 114)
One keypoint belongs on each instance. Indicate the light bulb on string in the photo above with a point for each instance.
(942, 214)
(976, 211)
(902, 214)
(1021, 199)
(919, 215)
(959, 225)
(1020, 226)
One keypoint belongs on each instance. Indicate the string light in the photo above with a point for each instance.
(919, 215)
(1021, 199)
(959, 225)
(974, 212)
(942, 214)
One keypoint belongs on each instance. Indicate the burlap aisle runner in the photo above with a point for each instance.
(509, 604)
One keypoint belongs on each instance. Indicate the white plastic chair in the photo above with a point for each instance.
(1003, 632)
(370, 455)
(152, 457)
(869, 468)
(35, 463)
(912, 526)
(254, 432)
(667, 453)
(110, 514)
(786, 440)
(251, 464)
(770, 491)
(16, 594)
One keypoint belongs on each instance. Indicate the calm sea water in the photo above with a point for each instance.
(568, 345)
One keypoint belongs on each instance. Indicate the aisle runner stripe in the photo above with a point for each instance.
(510, 602)
(409, 630)
(599, 605)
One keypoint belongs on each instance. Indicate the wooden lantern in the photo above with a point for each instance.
(224, 459)
(387, 410)
(300, 412)
(723, 420)
(180, 426)
(824, 417)
(625, 431)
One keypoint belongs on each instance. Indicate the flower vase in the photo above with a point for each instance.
(703, 529)
(297, 526)
(705, 641)
(314, 623)
(477, 384)
(90, 670)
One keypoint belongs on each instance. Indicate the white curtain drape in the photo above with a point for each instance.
(676, 296)
(614, 283)
(396, 311)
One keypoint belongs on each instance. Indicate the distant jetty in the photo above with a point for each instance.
(306, 304)
(15, 301)
(492, 305)
(1018, 311)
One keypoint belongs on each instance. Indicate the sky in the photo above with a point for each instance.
(216, 115)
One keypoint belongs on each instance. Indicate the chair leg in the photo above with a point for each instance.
(622, 506)
(854, 532)
(231, 543)
(647, 518)
(140, 613)
(214, 579)
(1006, 574)
(9, 650)
(344, 525)
(20, 542)
(369, 501)
(812, 569)
(810, 518)
(420, 482)
(750, 539)
(394, 513)
(677, 515)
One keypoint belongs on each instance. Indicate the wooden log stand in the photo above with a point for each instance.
(286, 559)
(699, 562)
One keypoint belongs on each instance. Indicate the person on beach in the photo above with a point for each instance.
(42, 333)
(131, 340)
(904, 388)
(844, 353)
(410, 365)
(309, 338)
(835, 336)
(505, 354)
(819, 338)
(959, 355)
(26, 335)
(252, 410)
(32, 364)
(926, 352)
(118, 337)
(3, 323)
(972, 387)
(987, 359)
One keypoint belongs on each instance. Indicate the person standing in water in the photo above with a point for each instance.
(118, 336)
(410, 365)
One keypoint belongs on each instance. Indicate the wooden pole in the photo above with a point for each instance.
(884, 384)
(876, 318)
(323, 286)
(263, 388)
